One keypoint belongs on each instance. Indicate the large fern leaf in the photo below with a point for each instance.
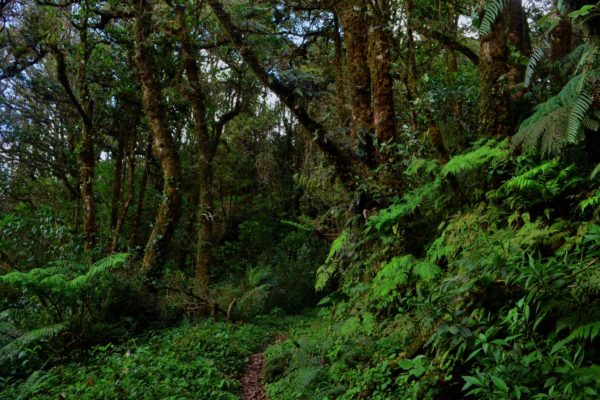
(493, 9)
(585, 332)
(534, 60)
(13, 348)
(577, 115)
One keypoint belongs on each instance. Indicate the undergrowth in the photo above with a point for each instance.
(199, 361)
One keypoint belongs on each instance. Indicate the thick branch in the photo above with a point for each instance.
(450, 42)
(61, 72)
(17, 67)
(342, 162)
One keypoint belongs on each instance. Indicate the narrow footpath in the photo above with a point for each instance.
(251, 381)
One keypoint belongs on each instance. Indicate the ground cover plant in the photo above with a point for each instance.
(300, 199)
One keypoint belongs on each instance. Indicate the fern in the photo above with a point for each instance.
(534, 60)
(592, 201)
(306, 376)
(570, 61)
(493, 9)
(578, 113)
(258, 275)
(533, 180)
(337, 245)
(585, 332)
(426, 270)
(421, 165)
(595, 171)
(393, 274)
(558, 120)
(326, 271)
(12, 349)
(490, 153)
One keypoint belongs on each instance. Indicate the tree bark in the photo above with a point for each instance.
(355, 20)
(495, 117)
(380, 60)
(85, 149)
(340, 79)
(207, 145)
(119, 174)
(135, 224)
(163, 144)
(410, 75)
(133, 116)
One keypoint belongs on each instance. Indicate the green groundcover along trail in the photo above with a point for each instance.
(300, 199)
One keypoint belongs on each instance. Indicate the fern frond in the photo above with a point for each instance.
(393, 273)
(578, 113)
(595, 171)
(421, 165)
(570, 61)
(535, 58)
(66, 267)
(47, 332)
(490, 153)
(100, 267)
(493, 9)
(585, 332)
(306, 376)
(590, 123)
(338, 245)
(426, 270)
(547, 133)
(558, 120)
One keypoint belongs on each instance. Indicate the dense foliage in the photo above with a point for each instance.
(418, 182)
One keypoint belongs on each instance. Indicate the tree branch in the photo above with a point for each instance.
(61, 72)
(342, 161)
(450, 42)
(17, 67)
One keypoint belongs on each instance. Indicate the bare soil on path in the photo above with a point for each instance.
(251, 381)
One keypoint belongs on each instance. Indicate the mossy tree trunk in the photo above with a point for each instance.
(355, 20)
(83, 103)
(163, 144)
(494, 97)
(380, 61)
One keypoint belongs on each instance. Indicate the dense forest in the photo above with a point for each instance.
(299, 199)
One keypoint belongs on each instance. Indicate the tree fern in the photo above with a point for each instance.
(493, 9)
(558, 121)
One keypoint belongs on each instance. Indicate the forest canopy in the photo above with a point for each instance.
(381, 199)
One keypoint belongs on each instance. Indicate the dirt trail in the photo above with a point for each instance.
(252, 379)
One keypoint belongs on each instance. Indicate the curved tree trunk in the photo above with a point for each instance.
(163, 144)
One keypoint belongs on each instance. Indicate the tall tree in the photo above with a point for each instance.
(163, 144)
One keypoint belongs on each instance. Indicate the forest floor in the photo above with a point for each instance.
(196, 360)
(251, 381)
